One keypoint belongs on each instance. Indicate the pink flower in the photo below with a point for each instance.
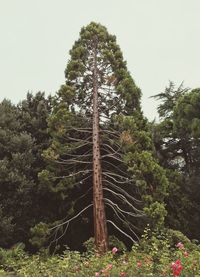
(97, 274)
(123, 274)
(109, 267)
(185, 254)
(180, 245)
(114, 250)
(176, 268)
(139, 264)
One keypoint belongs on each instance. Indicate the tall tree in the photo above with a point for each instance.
(101, 137)
(100, 226)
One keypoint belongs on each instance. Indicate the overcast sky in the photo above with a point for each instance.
(160, 40)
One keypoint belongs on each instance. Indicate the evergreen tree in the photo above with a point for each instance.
(165, 139)
(23, 137)
(16, 159)
(101, 143)
(176, 140)
(33, 114)
(187, 129)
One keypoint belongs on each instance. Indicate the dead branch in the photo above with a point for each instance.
(124, 221)
(71, 219)
(109, 221)
(111, 174)
(122, 191)
(122, 197)
(110, 147)
(120, 210)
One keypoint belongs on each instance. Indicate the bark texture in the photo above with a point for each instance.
(100, 226)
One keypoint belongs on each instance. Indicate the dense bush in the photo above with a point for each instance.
(154, 256)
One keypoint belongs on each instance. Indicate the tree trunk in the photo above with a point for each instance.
(100, 226)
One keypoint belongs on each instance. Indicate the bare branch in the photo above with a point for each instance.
(116, 143)
(110, 148)
(121, 231)
(72, 218)
(119, 209)
(122, 197)
(84, 194)
(79, 140)
(124, 221)
(71, 161)
(79, 146)
(115, 133)
(62, 235)
(123, 173)
(82, 180)
(111, 174)
(114, 158)
(72, 174)
(82, 155)
(123, 191)
(82, 130)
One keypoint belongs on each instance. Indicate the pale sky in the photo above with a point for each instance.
(160, 40)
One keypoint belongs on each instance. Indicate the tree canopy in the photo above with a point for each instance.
(87, 163)
(131, 175)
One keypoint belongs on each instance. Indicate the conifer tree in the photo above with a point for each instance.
(16, 185)
(101, 143)
(23, 137)
(176, 140)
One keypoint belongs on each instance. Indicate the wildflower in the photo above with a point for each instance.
(180, 245)
(148, 261)
(97, 274)
(109, 267)
(139, 264)
(114, 250)
(185, 254)
(86, 264)
(194, 262)
(123, 274)
(176, 268)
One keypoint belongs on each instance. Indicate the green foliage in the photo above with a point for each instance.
(175, 237)
(176, 140)
(39, 234)
(154, 256)
(169, 98)
(11, 260)
(46, 171)
(6, 229)
(124, 132)
(187, 114)
(23, 136)
(15, 169)
(157, 213)
(113, 242)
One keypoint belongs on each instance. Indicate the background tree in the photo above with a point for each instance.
(132, 180)
(23, 136)
(15, 167)
(34, 111)
(177, 143)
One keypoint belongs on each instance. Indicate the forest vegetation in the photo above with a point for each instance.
(89, 186)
